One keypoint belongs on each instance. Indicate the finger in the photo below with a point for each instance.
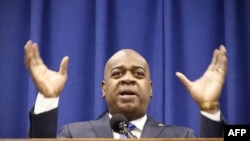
(222, 57)
(27, 52)
(36, 59)
(64, 66)
(214, 60)
(183, 79)
(220, 62)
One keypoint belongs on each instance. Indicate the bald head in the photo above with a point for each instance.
(129, 55)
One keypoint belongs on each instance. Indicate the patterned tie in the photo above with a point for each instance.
(131, 127)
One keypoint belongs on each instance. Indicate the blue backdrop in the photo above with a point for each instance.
(173, 35)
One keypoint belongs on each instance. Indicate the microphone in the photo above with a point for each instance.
(119, 123)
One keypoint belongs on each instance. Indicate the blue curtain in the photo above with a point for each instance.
(173, 35)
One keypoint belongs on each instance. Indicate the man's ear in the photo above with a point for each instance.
(103, 89)
(151, 91)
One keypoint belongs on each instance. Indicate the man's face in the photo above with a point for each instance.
(127, 87)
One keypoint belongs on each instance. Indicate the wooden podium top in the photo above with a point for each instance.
(107, 139)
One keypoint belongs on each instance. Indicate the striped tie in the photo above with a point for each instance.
(131, 127)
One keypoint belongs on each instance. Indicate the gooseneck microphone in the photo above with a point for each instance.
(119, 123)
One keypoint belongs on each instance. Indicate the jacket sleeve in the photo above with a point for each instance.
(210, 128)
(43, 125)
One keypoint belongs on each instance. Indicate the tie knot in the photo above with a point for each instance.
(131, 126)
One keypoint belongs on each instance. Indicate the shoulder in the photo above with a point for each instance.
(179, 131)
(85, 128)
(74, 126)
(165, 130)
(88, 124)
(77, 130)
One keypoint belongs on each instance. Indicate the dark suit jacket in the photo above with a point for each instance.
(45, 126)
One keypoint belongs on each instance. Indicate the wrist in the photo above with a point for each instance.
(210, 107)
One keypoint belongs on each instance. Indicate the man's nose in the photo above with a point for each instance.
(128, 78)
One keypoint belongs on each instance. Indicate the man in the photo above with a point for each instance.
(127, 89)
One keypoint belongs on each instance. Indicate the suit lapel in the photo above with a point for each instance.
(102, 127)
(152, 128)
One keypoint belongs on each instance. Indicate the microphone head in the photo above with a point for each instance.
(117, 122)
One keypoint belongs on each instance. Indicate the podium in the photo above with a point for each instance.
(107, 139)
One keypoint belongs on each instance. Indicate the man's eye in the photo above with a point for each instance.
(116, 74)
(139, 74)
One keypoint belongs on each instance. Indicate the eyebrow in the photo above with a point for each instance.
(133, 67)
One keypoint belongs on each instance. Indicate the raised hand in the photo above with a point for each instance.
(49, 83)
(207, 89)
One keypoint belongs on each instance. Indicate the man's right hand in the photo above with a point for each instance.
(49, 83)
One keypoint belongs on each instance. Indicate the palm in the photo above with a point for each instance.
(208, 87)
(49, 83)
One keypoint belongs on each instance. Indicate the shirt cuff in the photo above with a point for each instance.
(215, 117)
(44, 104)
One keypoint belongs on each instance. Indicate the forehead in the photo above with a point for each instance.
(126, 58)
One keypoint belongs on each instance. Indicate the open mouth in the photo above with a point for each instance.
(127, 92)
(127, 95)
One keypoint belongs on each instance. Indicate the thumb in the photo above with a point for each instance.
(183, 79)
(64, 65)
